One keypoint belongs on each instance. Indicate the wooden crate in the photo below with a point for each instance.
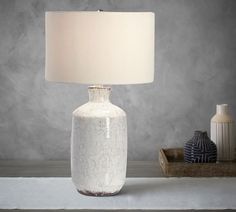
(173, 165)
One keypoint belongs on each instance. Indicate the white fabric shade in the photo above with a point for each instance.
(100, 47)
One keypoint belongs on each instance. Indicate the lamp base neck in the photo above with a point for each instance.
(99, 93)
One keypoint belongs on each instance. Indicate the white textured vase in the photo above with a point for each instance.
(99, 145)
(222, 133)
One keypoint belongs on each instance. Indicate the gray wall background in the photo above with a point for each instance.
(195, 70)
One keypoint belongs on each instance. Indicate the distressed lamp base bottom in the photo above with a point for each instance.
(98, 194)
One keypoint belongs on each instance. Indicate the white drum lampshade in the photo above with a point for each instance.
(99, 48)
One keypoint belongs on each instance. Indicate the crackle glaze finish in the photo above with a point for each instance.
(99, 145)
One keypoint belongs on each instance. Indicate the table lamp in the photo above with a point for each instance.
(99, 48)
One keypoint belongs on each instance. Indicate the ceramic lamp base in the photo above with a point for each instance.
(99, 145)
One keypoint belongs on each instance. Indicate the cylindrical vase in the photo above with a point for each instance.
(222, 133)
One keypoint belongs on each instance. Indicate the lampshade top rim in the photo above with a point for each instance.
(114, 12)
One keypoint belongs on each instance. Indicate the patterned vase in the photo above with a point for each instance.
(99, 145)
(200, 149)
(222, 133)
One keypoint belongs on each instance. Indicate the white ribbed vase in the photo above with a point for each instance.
(222, 133)
(99, 145)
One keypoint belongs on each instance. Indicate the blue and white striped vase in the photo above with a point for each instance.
(200, 149)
